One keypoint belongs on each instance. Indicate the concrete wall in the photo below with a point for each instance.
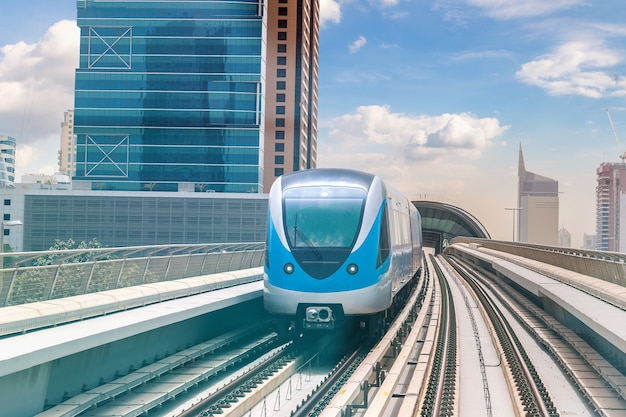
(25, 393)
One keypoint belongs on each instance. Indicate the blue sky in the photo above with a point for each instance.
(434, 95)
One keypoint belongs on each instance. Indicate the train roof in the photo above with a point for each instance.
(328, 176)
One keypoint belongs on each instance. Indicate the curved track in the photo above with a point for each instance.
(601, 385)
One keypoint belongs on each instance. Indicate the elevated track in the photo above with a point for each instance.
(485, 332)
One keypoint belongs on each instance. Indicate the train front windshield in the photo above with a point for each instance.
(323, 217)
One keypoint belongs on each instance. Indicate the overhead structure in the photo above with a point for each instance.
(442, 222)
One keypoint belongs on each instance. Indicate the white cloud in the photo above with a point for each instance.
(37, 158)
(580, 68)
(485, 54)
(37, 83)
(412, 138)
(426, 157)
(384, 3)
(330, 11)
(357, 44)
(513, 9)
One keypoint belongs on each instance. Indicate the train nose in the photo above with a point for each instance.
(319, 314)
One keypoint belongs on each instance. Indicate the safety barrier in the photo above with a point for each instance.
(607, 266)
(47, 275)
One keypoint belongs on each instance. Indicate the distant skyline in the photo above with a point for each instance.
(434, 96)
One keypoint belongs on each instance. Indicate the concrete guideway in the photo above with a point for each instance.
(604, 318)
(27, 317)
(41, 365)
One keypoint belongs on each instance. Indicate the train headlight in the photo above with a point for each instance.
(352, 269)
(288, 268)
(319, 314)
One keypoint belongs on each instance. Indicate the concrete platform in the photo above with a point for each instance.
(38, 367)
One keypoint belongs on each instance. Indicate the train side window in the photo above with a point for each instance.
(383, 239)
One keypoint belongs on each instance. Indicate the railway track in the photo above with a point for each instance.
(525, 384)
(142, 390)
(441, 392)
(413, 370)
(601, 384)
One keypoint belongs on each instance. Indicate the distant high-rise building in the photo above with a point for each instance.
(292, 86)
(538, 204)
(589, 241)
(610, 207)
(67, 152)
(565, 238)
(4, 174)
(7, 157)
(169, 95)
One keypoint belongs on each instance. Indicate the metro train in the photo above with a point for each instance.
(340, 243)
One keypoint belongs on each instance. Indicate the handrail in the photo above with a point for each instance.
(607, 266)
(47, 275)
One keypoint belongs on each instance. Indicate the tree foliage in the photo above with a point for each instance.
(59, 245)
(46, 280)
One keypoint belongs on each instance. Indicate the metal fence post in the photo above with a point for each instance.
(167, 268)
(48, 295)
(88, 281)
(6, 295)
(145, 270)
(187, 265)
(119, 275)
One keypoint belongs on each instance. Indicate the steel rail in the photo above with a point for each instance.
(573, 354)
(440, 397)
(533, 396)
(372, 378)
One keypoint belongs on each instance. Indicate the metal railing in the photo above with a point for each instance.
(607, 266)
(40, 276)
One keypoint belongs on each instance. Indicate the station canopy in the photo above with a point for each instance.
(442, 222)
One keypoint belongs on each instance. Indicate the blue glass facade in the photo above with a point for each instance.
(168, 95)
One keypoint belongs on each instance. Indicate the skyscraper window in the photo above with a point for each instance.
(292, 67)
(169, 99)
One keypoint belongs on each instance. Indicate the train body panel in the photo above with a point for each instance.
(339, 240)
(371, 299)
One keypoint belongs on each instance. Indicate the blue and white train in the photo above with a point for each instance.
(340, 243)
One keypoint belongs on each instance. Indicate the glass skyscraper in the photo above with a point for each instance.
(168, 95)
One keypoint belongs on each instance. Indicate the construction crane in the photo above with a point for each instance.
(623, 155)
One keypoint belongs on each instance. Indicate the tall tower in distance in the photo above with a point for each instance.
(67, 152)
(292, 87)
(538, 203)
(169, 95)
(610, 207)
(7, 157)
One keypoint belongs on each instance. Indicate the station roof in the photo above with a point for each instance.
(441, 222)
